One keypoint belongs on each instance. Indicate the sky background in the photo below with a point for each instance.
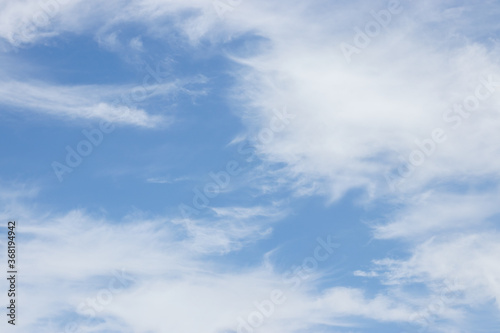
(237, 166)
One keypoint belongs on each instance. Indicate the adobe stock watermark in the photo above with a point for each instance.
(471, 103)
(417, 157)
(292, 280)
(223, 6)
(94, 136)
(363, 37)
(428, 316)
(48, 9)
(220, 180)
(454, 117)
(84, 148)
(104, 297)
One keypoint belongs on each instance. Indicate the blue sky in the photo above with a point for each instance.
(251, 166)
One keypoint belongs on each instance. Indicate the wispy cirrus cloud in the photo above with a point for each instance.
(164, 266)
(92, 102)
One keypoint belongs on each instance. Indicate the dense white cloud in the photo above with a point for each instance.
(357, 123)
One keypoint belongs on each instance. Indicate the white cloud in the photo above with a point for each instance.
(94, 102)
(30, 21)
(129, 273)
(460, 272)
(366, 114)
(469, 258)
(78, 102)
(231, 228)
(355, 123)
(159, 180)
(136, 44)
(437, 213)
